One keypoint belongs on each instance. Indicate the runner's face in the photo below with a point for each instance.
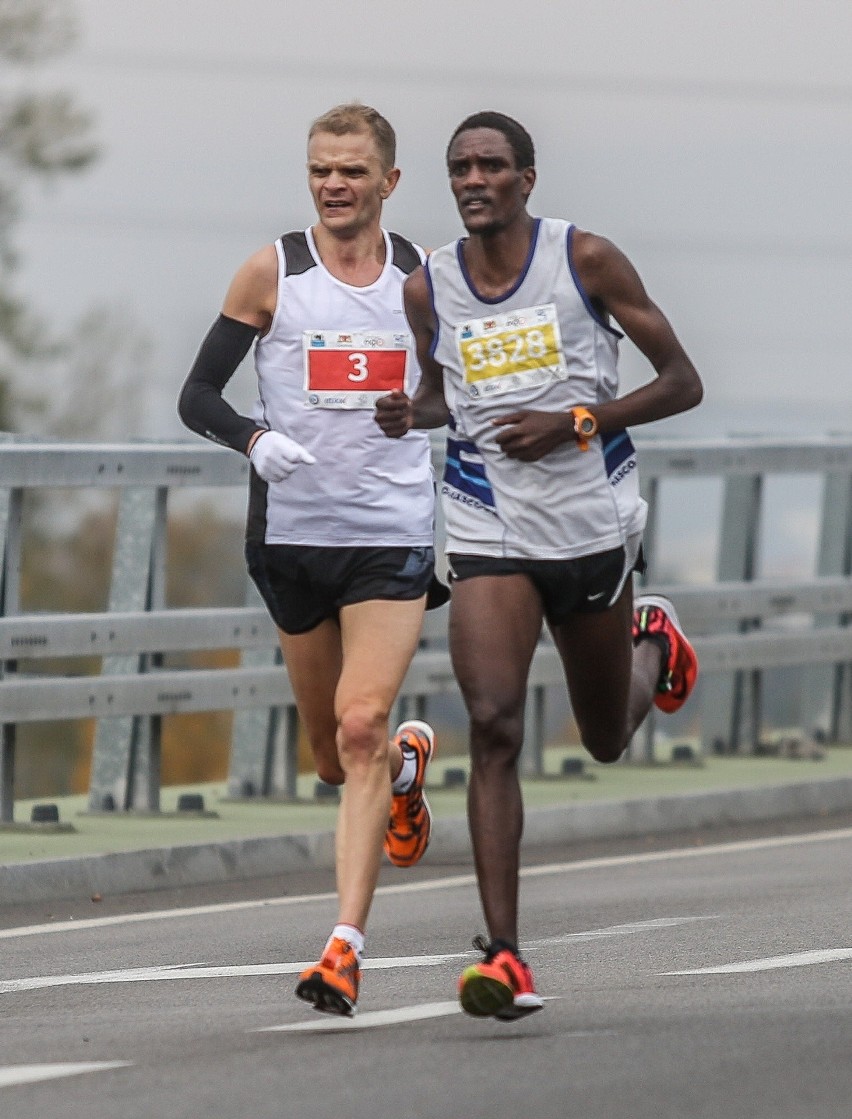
(490, 191)
(347, 181)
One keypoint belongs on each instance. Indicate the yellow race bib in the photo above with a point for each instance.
(511, 351)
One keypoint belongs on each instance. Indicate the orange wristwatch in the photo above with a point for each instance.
(585, 426)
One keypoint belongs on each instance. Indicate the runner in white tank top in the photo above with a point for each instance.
(516, 338)
(339, 538)
(540, 346)
(314, 367)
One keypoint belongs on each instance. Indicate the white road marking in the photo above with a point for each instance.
(164, 972)
(33, 1074)
(450, 883)
(771, 963)
(744, 846)
(323, 1023)
(367, 1021)
(156, 915)
(614, 930)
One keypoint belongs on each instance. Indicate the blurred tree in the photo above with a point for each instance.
(97, 374)
(102, 387)
(43, 135)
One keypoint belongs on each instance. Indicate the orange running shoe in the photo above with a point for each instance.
(501, 986)
(654, 619)
(410, 824)
(332, 984)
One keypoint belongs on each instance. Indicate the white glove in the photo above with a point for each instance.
(275, 456)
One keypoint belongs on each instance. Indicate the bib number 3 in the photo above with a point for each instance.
(353, 370)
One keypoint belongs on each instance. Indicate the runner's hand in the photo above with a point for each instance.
(529, 435)
(393, 414)
(275, 456)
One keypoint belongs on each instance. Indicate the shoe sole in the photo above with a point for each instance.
(522, 1005)
(415, 859)
(428, 733)
(324, 998)
(663, 701)
(483, 996)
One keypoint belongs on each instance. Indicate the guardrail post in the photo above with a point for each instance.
(253, 771)
(7, 773)
(410, 707)
(827, 689)
(731, 702)
(289, 769)
(532, 752)
(11, 505)
(126, 756)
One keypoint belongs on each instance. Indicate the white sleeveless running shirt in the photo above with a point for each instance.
(542, 346)
(330, 351)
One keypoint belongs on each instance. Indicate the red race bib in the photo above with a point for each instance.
(353, 370)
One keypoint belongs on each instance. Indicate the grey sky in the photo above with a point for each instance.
(710, 139)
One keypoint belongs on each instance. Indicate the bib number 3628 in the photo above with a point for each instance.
(511, 351)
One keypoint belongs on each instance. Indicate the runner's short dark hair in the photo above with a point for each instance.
(519, 139)
(355, 117)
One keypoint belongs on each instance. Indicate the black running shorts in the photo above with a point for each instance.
(303, 585)
(584, 585)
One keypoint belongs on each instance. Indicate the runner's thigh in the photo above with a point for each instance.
(380, 637)
(597, 653)
(314, 661)
(495, 623)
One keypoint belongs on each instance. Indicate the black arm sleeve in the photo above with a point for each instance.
(201, 405)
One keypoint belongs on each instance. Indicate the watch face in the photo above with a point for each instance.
(587, 425)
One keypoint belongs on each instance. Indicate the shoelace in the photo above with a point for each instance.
(481, 944)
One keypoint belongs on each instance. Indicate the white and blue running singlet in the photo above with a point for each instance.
(542, 346)
(331, 350)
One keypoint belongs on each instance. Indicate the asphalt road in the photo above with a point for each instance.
(703, 976)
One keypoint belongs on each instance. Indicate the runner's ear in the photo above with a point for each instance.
(389, 185)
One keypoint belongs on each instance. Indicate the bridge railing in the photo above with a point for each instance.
(744, 625)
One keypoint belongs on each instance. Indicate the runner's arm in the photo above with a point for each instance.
(614, 286)
(246, 312)
(397, 413)
(615, 289)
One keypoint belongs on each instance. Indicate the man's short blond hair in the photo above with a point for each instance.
(355, 117)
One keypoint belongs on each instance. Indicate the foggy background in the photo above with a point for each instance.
(710, 140)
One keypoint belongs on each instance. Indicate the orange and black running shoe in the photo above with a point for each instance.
(410, 824)
(654, 619)
(332, 984)
(501, 986)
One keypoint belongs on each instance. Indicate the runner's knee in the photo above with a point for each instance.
(362, 734)
(496, 733)
(605, 748)
(323, 743)
(329, 772)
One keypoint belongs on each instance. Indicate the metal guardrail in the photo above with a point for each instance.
(133, 691)
(181, 691)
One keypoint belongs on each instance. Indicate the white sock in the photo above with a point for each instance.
(351, 934)
(402, 781)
